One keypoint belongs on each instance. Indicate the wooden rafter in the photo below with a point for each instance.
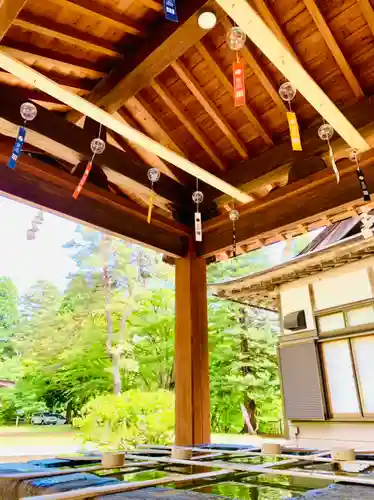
(65, 33)
(244, 173)
(151, 159)
(291, 205)
(9, 10)
(183, 117)
(327, 35)
(189, 80)
(73, 138)
(165, 43)
(32, 77)
(153, 126)
(36, 58)
(258, 71)
(153, 4)
(99, 12)
(249, 113)
(368, 12)
(258, 31)
(44, 185)
(264, 10)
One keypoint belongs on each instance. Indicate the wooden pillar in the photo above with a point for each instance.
(191, 353)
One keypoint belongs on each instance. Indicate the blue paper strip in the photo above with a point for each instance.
(170, 8)
(17, 149)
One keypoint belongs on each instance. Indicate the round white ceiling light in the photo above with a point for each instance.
(207, 20)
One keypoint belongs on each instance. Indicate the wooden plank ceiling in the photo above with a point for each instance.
(174, 83)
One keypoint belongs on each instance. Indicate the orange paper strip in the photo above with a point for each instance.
(239, 84)
(82, 182)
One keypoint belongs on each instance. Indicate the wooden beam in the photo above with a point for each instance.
(215, 67)
(359, 114)
(182, 116)
(139, 109)
(258, 71)
(152, 4)
(291, 206)
(339, 57)
(368, 12)
(32, 77)
(146, 60)
(65, 33)
(43, 185)
(9, 10)
(42, 57)
(258, 31)
(189, 80)
(264, 10)
(71, 136)
(149, 158)
(99, 12)
(192, 395)
(143, 114)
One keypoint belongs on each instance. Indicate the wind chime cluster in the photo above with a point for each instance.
(28, 112)
(35, 225)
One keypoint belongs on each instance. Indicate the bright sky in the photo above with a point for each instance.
(27, 261)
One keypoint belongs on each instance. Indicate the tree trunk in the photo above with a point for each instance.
(69, 412)
(117, 380)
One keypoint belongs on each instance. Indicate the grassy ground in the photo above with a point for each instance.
(38, 441)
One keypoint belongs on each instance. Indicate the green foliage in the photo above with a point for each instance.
(243, 365)
(135, 417)
(114, 326)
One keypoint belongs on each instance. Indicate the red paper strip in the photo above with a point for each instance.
(239, 83)
(82, 182)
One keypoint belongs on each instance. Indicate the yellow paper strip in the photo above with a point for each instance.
(150, 207)
(294, 131)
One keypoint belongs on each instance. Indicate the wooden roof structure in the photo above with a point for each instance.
(334, 247)
(173, 83)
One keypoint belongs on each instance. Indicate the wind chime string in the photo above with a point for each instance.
(236, 41)
(234, 217)
(97, 148)
(354, 157)
(325, 132)
(198, 197)
(154, 176)
(288, 92)
(28, 112)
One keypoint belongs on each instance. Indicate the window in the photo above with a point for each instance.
(349, 373)
(347, 318)
(331, 322)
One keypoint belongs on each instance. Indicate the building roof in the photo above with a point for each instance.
(336, 246)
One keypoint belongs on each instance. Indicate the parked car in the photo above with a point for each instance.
(48, 419)
(60, 419)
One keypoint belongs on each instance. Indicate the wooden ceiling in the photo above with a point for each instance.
(174, 83)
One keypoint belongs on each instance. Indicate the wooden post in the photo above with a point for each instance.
(191, 352)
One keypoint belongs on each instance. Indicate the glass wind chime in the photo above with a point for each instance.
(28, 112)
(234, 217)
(288, 93)
(236, 41)
(154, 176)
(355, 158)
(198, 198)
(35, 225)
(97, 148)
(325, 132)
